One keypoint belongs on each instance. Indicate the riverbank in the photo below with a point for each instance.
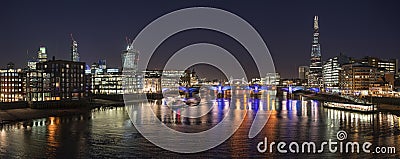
(23, 114)
(388, 107)
(16, 115)
(384, 103)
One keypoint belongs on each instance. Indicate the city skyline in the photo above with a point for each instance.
(357, 29)
(199, 79)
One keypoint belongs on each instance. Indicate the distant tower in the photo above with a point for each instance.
(42, 55)
(315, 74)
(102, 64)
(130, 58)
(74, 50)
(10, 65)
(133, 79)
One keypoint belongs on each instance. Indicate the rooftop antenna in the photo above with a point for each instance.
(27, 56)
(72, 37)
(127, 40)
(316, 23)
(128, 43)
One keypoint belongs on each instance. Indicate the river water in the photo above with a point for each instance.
(109, 133)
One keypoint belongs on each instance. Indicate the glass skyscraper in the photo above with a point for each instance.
(331, 72)
(130, 58)
(132, 81)
(74, 50)
(315, 74)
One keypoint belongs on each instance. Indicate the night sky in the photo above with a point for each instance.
(356, 28)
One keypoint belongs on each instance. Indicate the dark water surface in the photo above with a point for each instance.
(108, 133)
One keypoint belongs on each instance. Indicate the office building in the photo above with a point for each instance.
(389, 65)
(132, 77)
(130, 58)
(381, 89)
(170, 79)
(152, 81)
(303, 72)
(294, 82)
(189, 78)
(102, 64)
(271, 79)
(34, 86)
(108, 81)
(11, 84)
(356, 78)
(57, 80)
(32, 64)
(74, 50)
(42, 54)
(331, 70)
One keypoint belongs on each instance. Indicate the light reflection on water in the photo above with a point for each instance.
(109, 132)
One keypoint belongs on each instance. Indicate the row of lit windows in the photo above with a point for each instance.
(12, 79)
(12, 85)
(109, 79)
(71, 74)
(68, 80)
(68, 84)
(9, 74)
(389, 63)
(108, 91)
(11, 90)
(55, 65)
(109, 87)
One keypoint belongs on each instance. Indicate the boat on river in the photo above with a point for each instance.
(362, 107)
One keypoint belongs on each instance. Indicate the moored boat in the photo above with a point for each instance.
(351, 106)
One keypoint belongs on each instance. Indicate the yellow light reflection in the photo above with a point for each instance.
(304, 108)
(245, 102)
(273, 104)
(294, 105)
(3, 140)
(398, 122)
(237, 104)
(284, 105)
(52, 133)
(268, 101)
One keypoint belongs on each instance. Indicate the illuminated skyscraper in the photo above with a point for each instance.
(42, 55)
(130, 58)
(132, 81)
(331, 72)
(74, 50)
(315, 74)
